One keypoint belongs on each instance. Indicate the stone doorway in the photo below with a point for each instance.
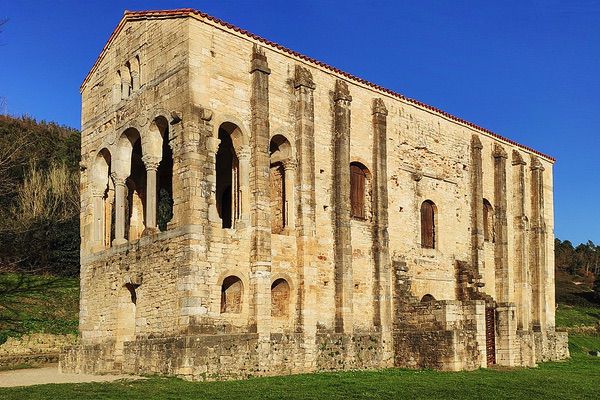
(490, 335)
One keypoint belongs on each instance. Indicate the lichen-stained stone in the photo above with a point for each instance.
(219, 239)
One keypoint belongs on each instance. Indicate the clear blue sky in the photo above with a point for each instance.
(528, 70)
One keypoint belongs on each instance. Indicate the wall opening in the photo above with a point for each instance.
(164, 189)
(428, 225)
(278, 201)
(281, 180)
(232, 291)
(280, 299)
(228, 180)
(136, 194)
(359, 179)
(102, 182)
(427, 298)
(488, 221)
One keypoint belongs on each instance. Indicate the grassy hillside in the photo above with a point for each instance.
(577, 305)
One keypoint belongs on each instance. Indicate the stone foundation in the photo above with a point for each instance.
(229, 356)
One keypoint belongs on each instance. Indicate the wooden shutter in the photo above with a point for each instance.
(357, 191)
(427, 225)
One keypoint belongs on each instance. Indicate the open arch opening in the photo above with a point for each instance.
(136, 194)
(488, 221)
(427, 298)
(164, 190)
(104, 208)
(281, 182)
(428, 225)
(228, 196)
(232, 291)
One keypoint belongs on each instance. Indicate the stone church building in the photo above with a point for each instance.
(247, 210)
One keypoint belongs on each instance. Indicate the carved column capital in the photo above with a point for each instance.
(243, 154)
(118, 179)
(205, 114)
(303, 78)
(151, 162)
(536, 164)
(342, 93)
(259, 61)
(289, 165)
(379, 107)
(476, 143)
(517, 159)
(499, 152)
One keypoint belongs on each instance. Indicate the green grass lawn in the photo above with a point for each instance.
(38, 304)
(570, 316)
(575, 379)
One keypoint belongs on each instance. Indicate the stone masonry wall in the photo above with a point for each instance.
(155, 304)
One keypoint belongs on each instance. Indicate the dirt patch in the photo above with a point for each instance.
(42, 376)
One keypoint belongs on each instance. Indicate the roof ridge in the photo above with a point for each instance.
(184, 12)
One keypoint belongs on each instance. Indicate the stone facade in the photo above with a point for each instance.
(224, 236)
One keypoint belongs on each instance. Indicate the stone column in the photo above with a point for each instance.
(260, 257)
(244, 195)
(502, 273)
(151, 163)
(305, 202)
(125, 83)
(289, 168)
(97, 242)
(380, 215)
(119, 209)
(476, 205)
(521, 264)
(135, 80)
(344, 285)
(538, 245)
(506, 342)
(382, 300)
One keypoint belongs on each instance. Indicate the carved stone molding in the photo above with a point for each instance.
(342, 93)
(303, 77)
(517, 159)
(499, 152)
(118, 179)
(536, 164)
(475, 142)
(151, 162)
(259, 60)
(379, 107)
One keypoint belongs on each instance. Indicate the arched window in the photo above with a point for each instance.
(164, 190)
(135, 73)
(427, 298)
(488, 221)
(358, 184)
(136, 195)
(228, 177)
(232, 290)
(428, 228)
(280, 298)
(281, 183)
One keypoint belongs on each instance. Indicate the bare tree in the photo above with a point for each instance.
(13, 150)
